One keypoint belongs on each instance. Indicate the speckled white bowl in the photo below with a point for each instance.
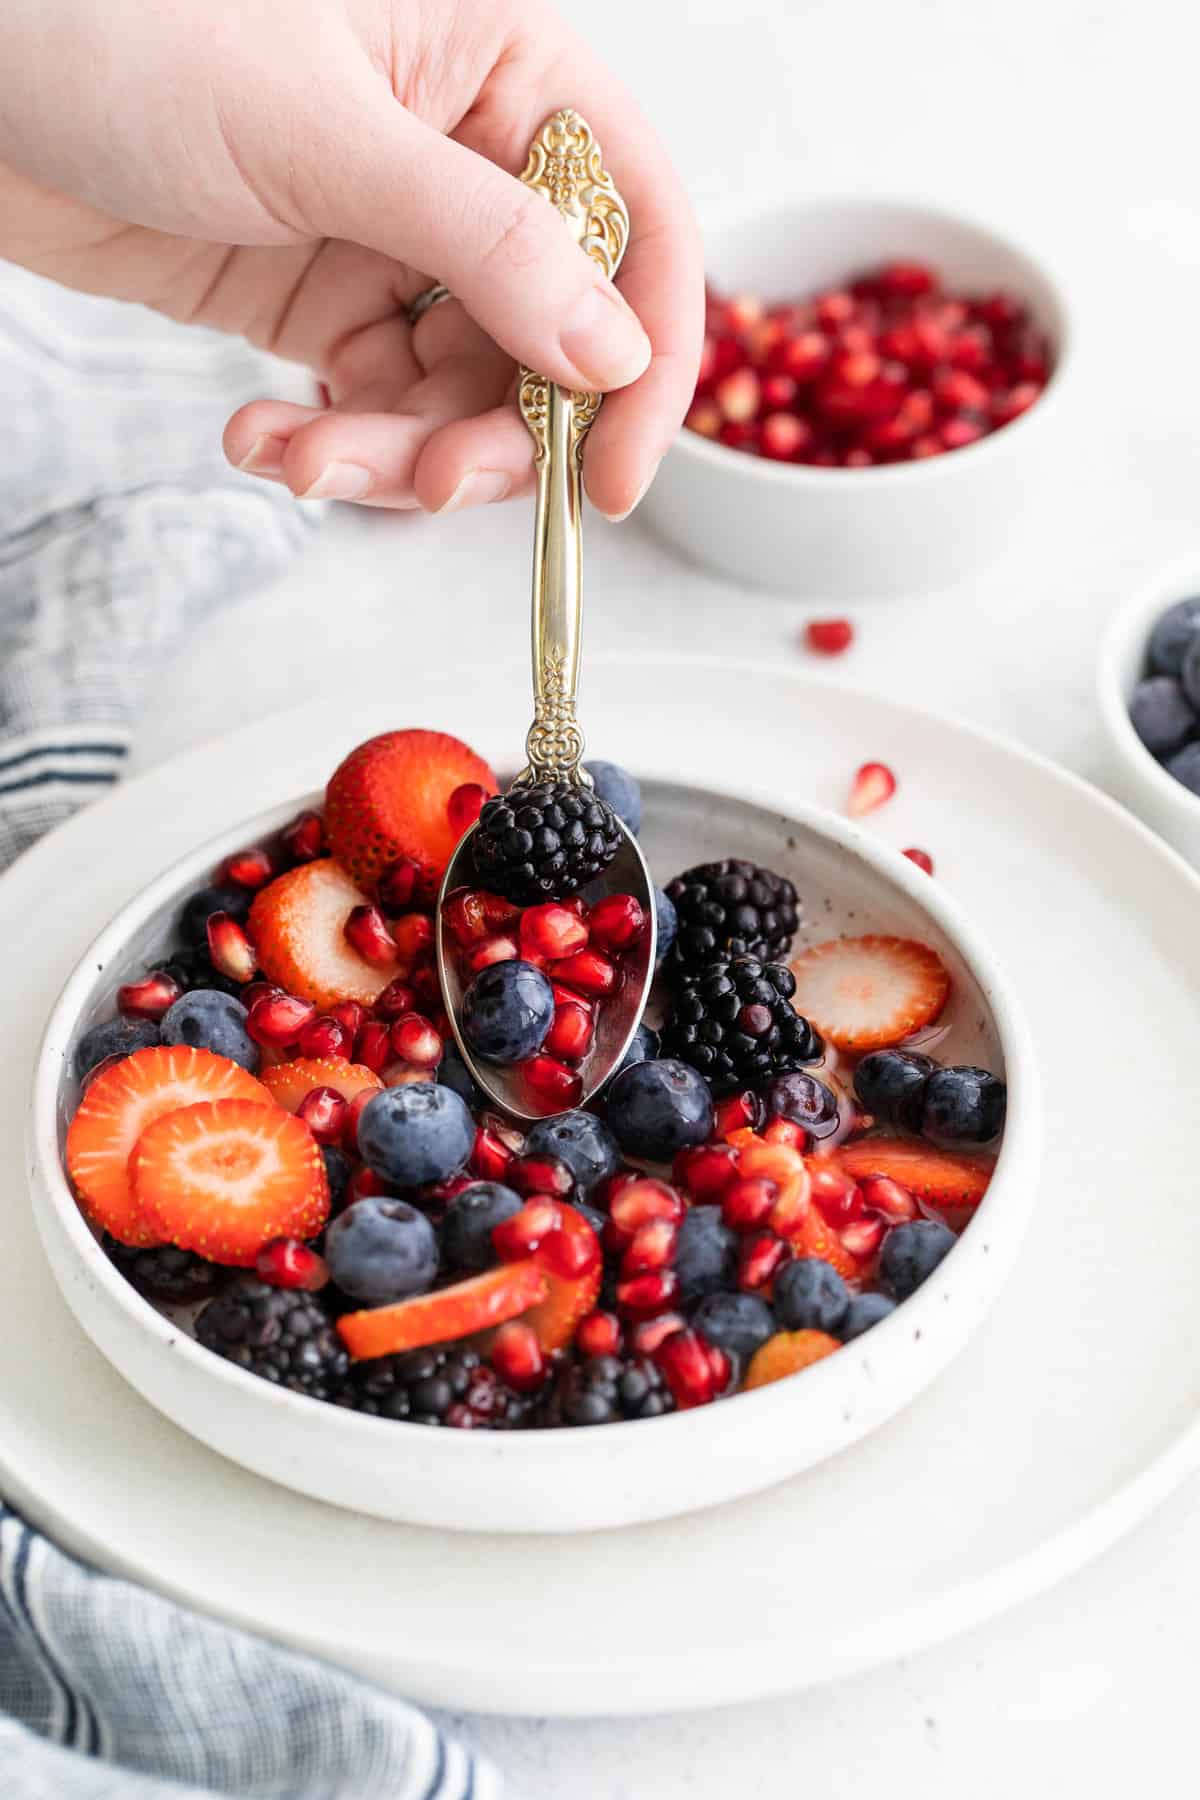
(567, 1480)
(1131, 772)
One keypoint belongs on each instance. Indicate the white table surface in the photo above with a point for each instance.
(1073, 125)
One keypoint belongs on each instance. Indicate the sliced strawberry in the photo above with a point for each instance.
(942, 1178)
(786, 1354)
(298, 928)
(391, 797)
(448, 1313)
(228, 1177)
(866, 993)
(288, 1083)
(814, 1236)
(564, 1247)
(119, 1104)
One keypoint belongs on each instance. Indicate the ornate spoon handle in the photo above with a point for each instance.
(564, 165)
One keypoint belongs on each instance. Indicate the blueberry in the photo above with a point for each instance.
(1161, 713)
(891, 1085)
(705, 1254)
(738, 1323)
(644, 1047)
(507, 1011)
(338, 1170)
(658, 1108)
(208, 1020)
(864, 1311)
(595, 1219)
(1189, 674)
(617, 788)
(667, 920)
(467, 1226)
(810, 1295)
(116, 1037)
(1173, 634)
(911, 1253)
(411, 1135)
(963, 1106)
(454, 1074)
(193, 921)
(1185, 767)
(380, 1250)
(805, 1101)
(582, 1141)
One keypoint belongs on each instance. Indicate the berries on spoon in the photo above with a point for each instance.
(544, 840)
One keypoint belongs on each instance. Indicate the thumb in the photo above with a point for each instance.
(500, 248)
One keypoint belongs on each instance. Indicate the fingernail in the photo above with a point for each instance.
(605, 341)
(339, 481)
(479, 488)
(265, 455)
(615, 518)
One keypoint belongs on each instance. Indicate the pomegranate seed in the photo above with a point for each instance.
(906, 279)
(553, 1081)
(149, 998)
(526, 1231)
(760, 1259)
(704, 418)
(686, 1367)
(571, 1253)
(1001, 311)
(783, 436)
(738, 1112)
(587, 970)
(1009, 405)
(764, 340)
(354, 1113)
(835, 308)
(829, 637)
(618, 922)
(229, 949)
(350, 1014)
(440, 1192)
(490, 1156)
(642, 1296)
(747, 1204)
(880, 1194)
(464, 806)
(259, 990)
(287, 1263)
(247, 868)
(922, 858)
(740, 437)
(606, 1191)
(957, 433)
(721, 1367)
(363, 1184)
(277, 1020)
(956, 391)
(545, 1175)
(707, 1172)
(779, 392)
(925, 446)
(599, 1334)
(465, 917)
(786, 1131)
(971, 349)
(324, 1111)
(495, 950)
(651, 1247)
(636, 1204)
(551, 931)
(648, 1334)
(415, 1041)
(836, 1195)
(791, 1209)
(738, 396)
(862, 1237)
(427, 990)
(858, 459)
(366, 932)
(743, 313)
(412, 934)
(565, 996)
(373, 1046)
(396, 999)
(304, 839)
(325, 1036)
(873, 785)
(803, 357)
(400, 886)
(516, 1355)
(570, 1036)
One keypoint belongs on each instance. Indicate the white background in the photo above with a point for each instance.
(1072, 124)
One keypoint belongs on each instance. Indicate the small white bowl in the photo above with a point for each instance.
(566, 1480)
(1131, 773)
(839, 534)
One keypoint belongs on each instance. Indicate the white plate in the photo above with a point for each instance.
(1071, 1412)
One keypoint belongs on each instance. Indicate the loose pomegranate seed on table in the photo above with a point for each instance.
(829, 637)
(922, 859)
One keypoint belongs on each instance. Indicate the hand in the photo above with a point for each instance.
(297, 171)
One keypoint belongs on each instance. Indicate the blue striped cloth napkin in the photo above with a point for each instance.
(121, 523)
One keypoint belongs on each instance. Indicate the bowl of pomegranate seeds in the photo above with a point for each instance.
(874, 403)
(278, 1202)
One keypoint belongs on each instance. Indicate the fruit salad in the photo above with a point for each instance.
(277, 1141)
(894, 366)
(1165, 708)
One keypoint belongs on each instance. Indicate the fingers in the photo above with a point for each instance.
(475, 461)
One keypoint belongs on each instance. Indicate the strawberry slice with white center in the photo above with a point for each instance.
(867, 993)
(298, 928)
(228, 1177)
(118, 1106)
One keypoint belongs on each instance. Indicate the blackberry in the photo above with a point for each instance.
(732, 1021)
(165, 1273)
(436, 1386)
(278, 1333)
(603, 1390)
(193, 969)
(731, 908)
(544, 841)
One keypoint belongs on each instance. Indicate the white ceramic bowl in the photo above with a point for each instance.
(1131, 773)
(840, 534)
(567, 1480)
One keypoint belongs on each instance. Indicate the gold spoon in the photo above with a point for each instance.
(565, 166)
